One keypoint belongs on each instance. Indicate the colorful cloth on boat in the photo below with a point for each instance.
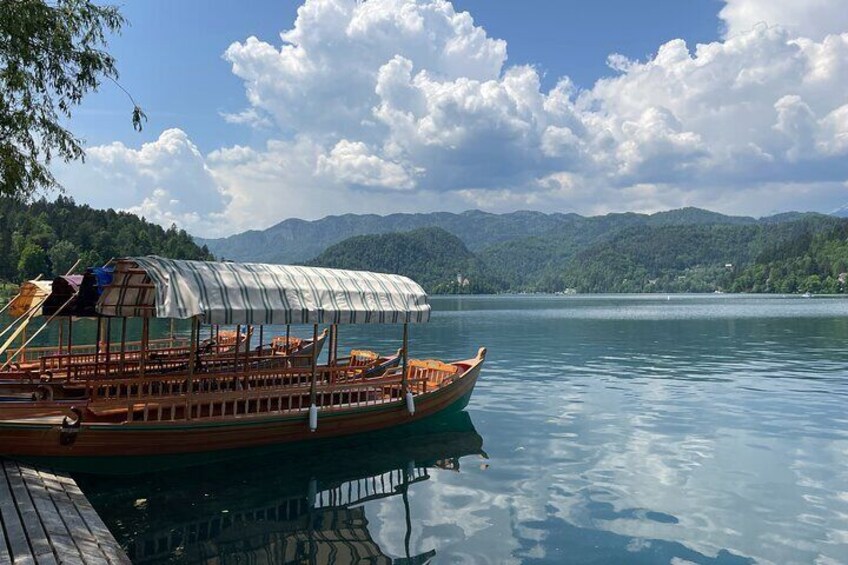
(253, 293)
(103, 276)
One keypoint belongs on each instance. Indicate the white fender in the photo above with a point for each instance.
(313, 418)
(410, 403)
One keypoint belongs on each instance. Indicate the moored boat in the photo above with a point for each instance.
(250, 403)
(26, 397)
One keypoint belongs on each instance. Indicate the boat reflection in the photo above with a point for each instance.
(281, 506)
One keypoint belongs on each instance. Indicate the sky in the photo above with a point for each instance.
(267, 110)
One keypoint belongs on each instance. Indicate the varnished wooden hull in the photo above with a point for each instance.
(13, 410)
(36, 439)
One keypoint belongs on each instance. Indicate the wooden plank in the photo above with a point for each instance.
(15, 545)
(5, 556)
(58, 535)
(46, 519)
(80, 534)
(97, 545)
(37, 537)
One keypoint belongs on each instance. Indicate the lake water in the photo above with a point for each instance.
(604, 429)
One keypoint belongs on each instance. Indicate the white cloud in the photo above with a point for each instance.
(166, 180)
(414, 98)
(353, 163)
(285, 179)
(806, 18)
(321, 80)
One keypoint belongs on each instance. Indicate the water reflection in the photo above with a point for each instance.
(300, 505)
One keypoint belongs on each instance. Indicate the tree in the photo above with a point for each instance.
(33, 262)
(51, 55)
(62, 256)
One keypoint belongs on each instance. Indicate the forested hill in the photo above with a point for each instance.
(433, 257)
(48, 237)
(296, 240)
(807, 254)
(792, 253)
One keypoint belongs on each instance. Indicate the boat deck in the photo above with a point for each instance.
(45, 518)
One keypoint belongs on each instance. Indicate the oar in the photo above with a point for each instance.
(12, 300)
(71, 270)
(50, 319)
(28, 314)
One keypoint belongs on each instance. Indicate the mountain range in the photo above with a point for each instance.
(689, 249)
(295, 240)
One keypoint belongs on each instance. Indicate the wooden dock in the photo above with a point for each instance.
(45, 518)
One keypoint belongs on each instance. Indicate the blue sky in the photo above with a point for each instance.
(170, 54)
(391, 105)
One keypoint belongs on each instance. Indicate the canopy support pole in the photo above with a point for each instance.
(123, 343)
(145, 337)
(235, 353)
(405, 358)
(336, 346)
(108, 345)
(248, 335)
(98, 336)
(404, 379)
(313, 409)
(195, 333)
(61, 335)
(70, 343)
(261, 338)
(330, 345)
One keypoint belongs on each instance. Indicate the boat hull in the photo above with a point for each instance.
(36, 439)
(16, 409)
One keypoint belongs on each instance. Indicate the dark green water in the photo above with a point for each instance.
(700, 429)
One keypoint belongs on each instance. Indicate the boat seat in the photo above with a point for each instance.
(278, 344)
(360, 357)
(432, 372)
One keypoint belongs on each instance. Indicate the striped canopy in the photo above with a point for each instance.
(252, 293)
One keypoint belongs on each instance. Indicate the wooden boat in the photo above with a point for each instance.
(76, 296)
(250, 404)
(159, 424)
(67, 375)
(34, 397)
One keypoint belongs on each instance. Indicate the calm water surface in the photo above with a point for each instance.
(626, 429)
